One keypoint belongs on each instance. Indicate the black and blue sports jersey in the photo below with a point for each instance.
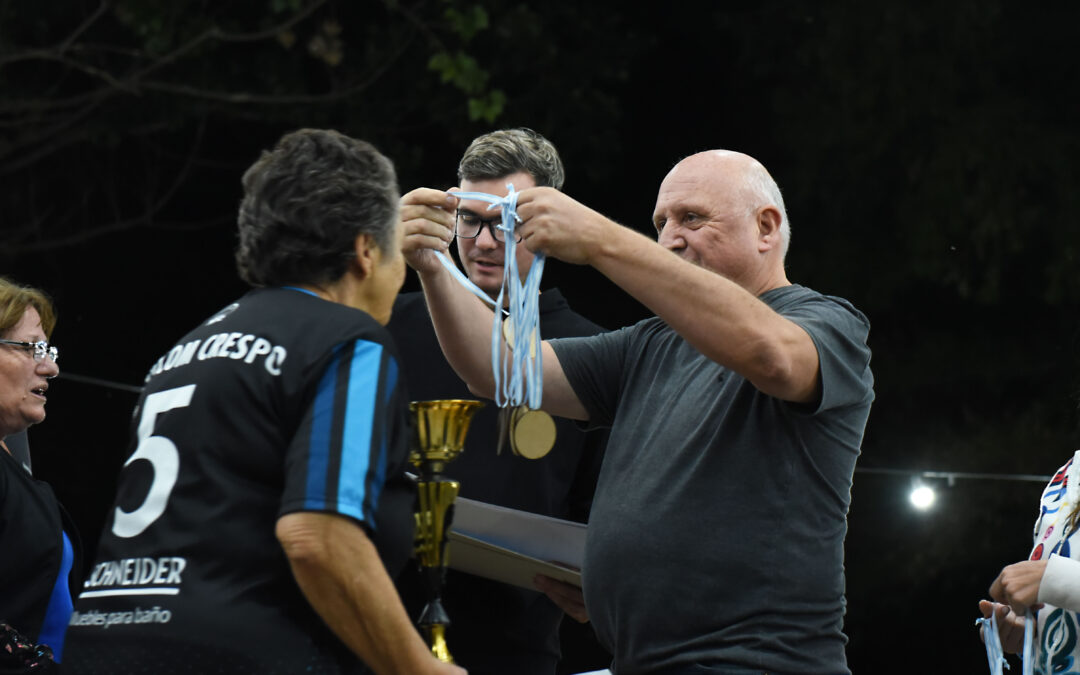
(280, 402)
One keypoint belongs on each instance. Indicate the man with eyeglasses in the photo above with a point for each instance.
(496, 628)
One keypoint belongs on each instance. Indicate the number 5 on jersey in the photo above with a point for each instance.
(163, 457)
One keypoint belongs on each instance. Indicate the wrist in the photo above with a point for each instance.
(1060, 583)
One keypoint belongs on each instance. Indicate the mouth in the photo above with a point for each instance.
(487, 264)
(39, 391)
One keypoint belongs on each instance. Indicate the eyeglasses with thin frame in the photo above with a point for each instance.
(41, 349)
(467, 225)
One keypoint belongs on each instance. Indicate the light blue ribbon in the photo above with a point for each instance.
(992, 640)
(518, 379)
(1029, 637)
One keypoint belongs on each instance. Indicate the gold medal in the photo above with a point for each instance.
(532, 433)
(508, 335)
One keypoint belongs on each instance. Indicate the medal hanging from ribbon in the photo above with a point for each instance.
(518, 373)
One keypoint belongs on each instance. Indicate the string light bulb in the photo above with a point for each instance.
(922, 496)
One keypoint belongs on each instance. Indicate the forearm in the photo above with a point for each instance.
(463, 325)
(340, 573)
(722, 320)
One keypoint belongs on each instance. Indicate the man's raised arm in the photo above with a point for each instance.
(719, 316)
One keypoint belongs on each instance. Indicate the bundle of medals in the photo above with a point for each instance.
(529, 431)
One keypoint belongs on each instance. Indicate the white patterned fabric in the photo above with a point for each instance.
(1057, 641)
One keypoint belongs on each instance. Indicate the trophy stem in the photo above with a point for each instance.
(440, 428)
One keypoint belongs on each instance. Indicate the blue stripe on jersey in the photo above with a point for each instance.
(322, 421)
(358, 447)
(302, 290)
(360, 410)
(389, 383)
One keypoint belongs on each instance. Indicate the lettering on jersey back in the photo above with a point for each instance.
(243, 347)
(135, 576)
(106, 619)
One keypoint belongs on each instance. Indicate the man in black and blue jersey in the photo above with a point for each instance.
(262, 513)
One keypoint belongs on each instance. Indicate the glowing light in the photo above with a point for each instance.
(922, 497)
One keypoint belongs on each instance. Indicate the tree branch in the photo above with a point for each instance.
(66, 44)
(220, 35)
(269, 99)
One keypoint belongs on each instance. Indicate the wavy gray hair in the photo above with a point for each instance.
(305, 202)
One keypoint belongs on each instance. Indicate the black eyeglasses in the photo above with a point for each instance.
(41, 349)
(468, 225)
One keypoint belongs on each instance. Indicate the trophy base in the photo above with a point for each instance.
(436, 637)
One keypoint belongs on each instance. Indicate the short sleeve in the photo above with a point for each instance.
(593, 366)
(840, 333)
(338, 460)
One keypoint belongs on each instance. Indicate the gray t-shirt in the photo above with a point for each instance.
(716, 535)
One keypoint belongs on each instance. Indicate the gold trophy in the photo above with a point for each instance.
(440, 428)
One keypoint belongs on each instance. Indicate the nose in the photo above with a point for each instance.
(48, 368)
(486, 238)
(670, 239)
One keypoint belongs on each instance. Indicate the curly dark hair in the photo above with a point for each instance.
(506, 151)
(305, 202)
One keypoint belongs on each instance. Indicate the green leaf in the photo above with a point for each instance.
(467, 23)
(487, 107)
(461, 70)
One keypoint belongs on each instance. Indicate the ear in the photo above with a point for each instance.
(768, 222)
(366, 251)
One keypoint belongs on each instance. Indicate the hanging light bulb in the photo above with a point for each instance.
(922, 496)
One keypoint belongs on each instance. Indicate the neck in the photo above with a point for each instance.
(768, 282)
(340, 291)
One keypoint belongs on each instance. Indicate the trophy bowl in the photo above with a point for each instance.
(439, 431)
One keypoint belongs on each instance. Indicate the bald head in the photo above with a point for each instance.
(744, 179)
(721, 210)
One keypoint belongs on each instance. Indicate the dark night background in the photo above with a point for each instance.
(927, 153)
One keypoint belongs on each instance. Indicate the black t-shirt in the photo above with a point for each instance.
(280, 402)
(717, 532)
(497, 628)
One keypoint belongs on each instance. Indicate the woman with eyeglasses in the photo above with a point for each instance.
(38, 544)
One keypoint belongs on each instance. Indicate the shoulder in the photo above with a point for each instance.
(825, 317)
(639, 337)
(795, 300)
(304, 322)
